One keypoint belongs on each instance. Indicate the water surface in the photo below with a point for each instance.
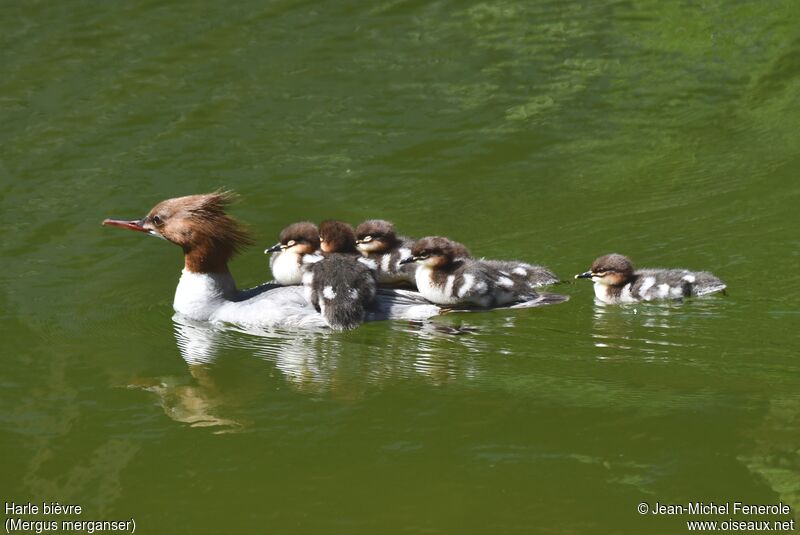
(551, 132)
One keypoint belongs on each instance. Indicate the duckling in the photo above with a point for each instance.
(377, 241)
(336, 282)
(615, 281)
(445, 279)
(294, 242)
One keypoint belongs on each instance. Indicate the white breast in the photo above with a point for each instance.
(199, 295)
(286, 269)
(625, 296)
(441, 295)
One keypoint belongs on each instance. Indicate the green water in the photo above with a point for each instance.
(551, 132)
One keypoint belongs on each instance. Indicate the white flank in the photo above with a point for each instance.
(689, 278)
(385, 259)
(328, 293)
(370, 263)
(505, 282)
(663, 290)
(646, 285)
(520, 271)
(469, 281)
(625, 295)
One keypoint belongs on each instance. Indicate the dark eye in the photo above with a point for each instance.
(157, 221)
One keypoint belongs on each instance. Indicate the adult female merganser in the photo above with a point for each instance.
(337, 283)
(294, 242)
(615, 281)
(444, 279)
(206, 290)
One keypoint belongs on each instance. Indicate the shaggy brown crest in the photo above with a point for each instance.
(337, 237)
(208, 236)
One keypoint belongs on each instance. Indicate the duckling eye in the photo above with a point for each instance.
(321, 239)
(291, 243)
(366, 239)
(157, 221)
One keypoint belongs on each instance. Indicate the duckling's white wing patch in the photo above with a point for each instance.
(663, 290)
(469, 282)
(646, 285)
(625, 295)
(312, 258)
(370, 263)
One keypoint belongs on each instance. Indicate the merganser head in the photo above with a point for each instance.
(337, 237)
(298, 238)
(609, 270)
(198, 223)
(375, 236)
(434, 251)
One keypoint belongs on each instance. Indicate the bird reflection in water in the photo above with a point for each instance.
(197, 403)
(647, 331)
(319, 363)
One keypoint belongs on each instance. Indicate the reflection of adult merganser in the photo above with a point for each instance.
(206, 290)
(444, 279)
(615, 281)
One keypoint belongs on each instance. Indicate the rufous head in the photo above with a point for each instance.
(336, 237)
(198, 223)
(609, 270)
